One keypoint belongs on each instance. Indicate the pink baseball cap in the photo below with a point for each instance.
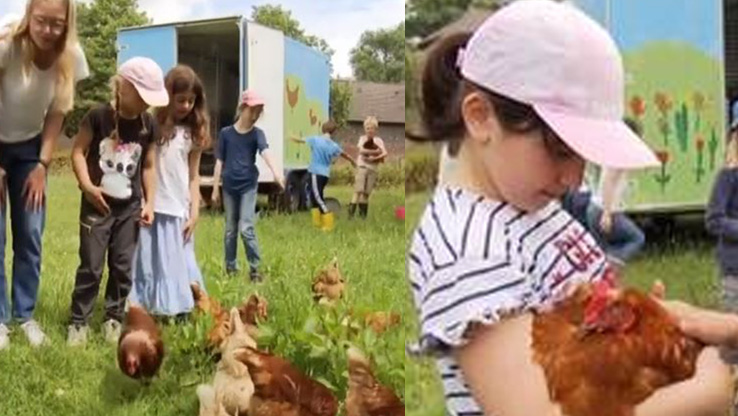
(251, 98)
(556, 59)
(148, 79)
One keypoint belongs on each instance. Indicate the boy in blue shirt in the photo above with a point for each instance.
(323, 151)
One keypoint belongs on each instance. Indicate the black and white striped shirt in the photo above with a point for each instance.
(473, 260)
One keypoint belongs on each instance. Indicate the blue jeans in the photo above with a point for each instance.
(27, 227)
(625, 239)
(240, 213)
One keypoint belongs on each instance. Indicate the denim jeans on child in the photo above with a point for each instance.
(240, 213)
(623, 241)
(27, 226)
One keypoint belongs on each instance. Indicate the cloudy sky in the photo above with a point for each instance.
(339, 22)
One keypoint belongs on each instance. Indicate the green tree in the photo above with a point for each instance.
(378, 55)
(276, 17)
(340, 105)
(410, 85)
(424, 17)
(98, 24)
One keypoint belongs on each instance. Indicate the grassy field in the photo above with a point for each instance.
(683, 259)
(58, 380)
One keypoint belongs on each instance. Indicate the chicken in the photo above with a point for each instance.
(232, 388)
(366, 397)
(292, 95)
(140, 348)
(203, 302)
(207, 305)
(380, 322)
(328, 285)
(281, 389)
(604, 350)
(253, 311)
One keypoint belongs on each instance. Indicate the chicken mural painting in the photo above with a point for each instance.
(681, 107)
(307, 100)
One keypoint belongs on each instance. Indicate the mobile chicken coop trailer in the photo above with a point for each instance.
(231, 54)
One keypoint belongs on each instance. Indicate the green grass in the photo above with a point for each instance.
(685, 264)
(58, 380)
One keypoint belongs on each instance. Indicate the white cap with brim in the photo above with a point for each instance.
(148, 79)
(556, 59)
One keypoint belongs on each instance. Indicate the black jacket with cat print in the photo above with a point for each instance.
(116, 167)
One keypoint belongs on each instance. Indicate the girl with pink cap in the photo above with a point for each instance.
(522, 103)
(235, 165)
(114, 157)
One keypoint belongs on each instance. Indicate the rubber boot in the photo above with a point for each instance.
(351, 210)
(328, 221)
(363, 210)
(317, 220)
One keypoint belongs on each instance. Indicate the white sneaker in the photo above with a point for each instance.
(4, 338)
(77, 335)
(33, 332)
(111, 330)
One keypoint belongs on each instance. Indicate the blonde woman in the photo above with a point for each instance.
(722, 219)
(371, 153)
(40, 62)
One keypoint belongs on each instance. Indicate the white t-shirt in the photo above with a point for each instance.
(24, 100)
(362, 161)
(474, 261)
(173, 175)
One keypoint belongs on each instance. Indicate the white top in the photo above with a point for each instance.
(173, 175)
(474, 261)
(362, 161)
(612, 190)
(24, 100)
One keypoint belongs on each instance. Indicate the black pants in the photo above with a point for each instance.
(317, 186)
(117, 235)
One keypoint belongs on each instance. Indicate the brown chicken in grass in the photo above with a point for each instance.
(328, 285)
(140, 348)
(366, 397)
(380, 322)
(603, 350)
(280, 389)
(254, 310)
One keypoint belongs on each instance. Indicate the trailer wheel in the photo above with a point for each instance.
(292, 195)
(305, 187)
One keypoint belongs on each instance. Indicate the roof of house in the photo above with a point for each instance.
(386, 102)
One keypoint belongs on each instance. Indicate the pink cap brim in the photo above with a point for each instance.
(254, 102)
(608, 143)
(154, 98)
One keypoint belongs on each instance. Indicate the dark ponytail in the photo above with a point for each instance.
(444, 90)
(442, 93)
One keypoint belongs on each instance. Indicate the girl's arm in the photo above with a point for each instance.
(194, 166)
(149, 183)
(215, 197)
(266, 154)
(498, 361)
(35, 184)
(92, 193)
(297, 139)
